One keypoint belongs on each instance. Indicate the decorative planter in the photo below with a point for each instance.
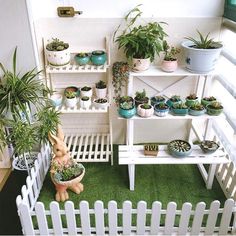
(85, 102)
(161, 109)
(213, 111)
(180, 111)
(140, 64)
(19, 162)
(71, 102)
(72, 89)
(127, 113)
(157, 99)
(82, 58)
(145, 110)
(200, 60)
(208, 146)
(191, 102)
(171, 102)
(151, 149)
(196, 112)
(169, 66)
(98, 57)
(101, 93)
(58, 58)
(207, 101)
(86, 92)
(179, 148)
(101, 103)
(56, 99)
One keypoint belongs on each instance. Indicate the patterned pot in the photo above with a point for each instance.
(127, 113)
(191, 102)
(140, 64)
(98, 57)
(196, 112)
(161, 111)
(145, 110)
(157, 99)
(58, 58)
(179, 148)
(212, 111)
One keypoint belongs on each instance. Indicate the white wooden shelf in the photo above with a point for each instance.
(135, 155)
(63, 109)
(75, 68)
(157, 71)
(93, 147)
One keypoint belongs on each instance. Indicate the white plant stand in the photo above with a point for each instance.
(132, 155)
(86, 141)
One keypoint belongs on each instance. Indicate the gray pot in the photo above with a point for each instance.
(200, 60)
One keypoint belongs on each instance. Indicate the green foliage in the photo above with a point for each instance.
(197, 106)
(86, 88)
(82, 54)
(70, 94)
(216, 105)
(162, 106)
(140, 95)
(101, 84)
(146, 106)
(126, 105)
(180, 106)
(143, 41)
(204, 42)
(57, 45)
(192, 96)
(170, 52)
(210, 99)
(175, 98)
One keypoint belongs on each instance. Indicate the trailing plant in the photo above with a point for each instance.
(170, 52)
(143, 41)
(101, 84)
(204, 42)
(57, 45)
(120, 75)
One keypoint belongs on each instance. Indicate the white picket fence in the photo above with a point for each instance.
(99, 220)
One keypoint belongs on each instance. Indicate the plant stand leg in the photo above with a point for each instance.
(210, 176)
(131, 168)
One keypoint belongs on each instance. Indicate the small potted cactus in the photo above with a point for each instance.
(207, 100)
(101, 103)
(214, 109)
(157, 99)
(179, 148)
(161, 109)
(72, 89)
(101, 89)
(191, 99)
(86, 91)
(71, 99)
(197, 109)
(151, 149)
(82, 58)
(180, 109)
(140, 98)
(175, 99)
(145, 110)
(85, 102)
(57, 52)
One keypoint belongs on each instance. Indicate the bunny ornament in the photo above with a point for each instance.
(62, 161)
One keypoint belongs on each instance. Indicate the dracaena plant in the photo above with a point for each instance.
(142, 41)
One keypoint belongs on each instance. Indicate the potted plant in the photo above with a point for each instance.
(82, 58)
(98, 57)
(57, 52)
(209, 146)
(179, 148)
(157, 99)
(169, 63)
(101, 103)
(86, 91)
(140, 43)
(126, 110)
(101, 89)
(85, 102)
(161, 109)
(151, 149)
(197, 109)
(201, 54)
(180, 109)
(207, 100)
(72, 89)
(145, 110)
(127, 99)
(175, 99)
(140, 98)
(71, 99)
(191, 99)
(214, 109)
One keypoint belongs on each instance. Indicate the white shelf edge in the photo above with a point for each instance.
(77, 110)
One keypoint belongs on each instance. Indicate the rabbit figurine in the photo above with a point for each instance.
(62, 158)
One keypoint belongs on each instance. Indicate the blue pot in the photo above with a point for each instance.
(161, 112)
(180, 112)
(98, 57)
(127, 113)
(171, 103)
(82, 60)
(196, 112)
(175, 151)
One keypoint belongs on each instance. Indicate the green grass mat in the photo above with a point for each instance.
(164, 183)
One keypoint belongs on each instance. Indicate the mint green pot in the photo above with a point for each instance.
(98, 57)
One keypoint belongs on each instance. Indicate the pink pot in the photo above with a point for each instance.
(169, 66)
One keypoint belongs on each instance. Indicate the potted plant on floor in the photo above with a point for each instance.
(71, 99)
(207, 100)
(140, 98)
(169, 63)
(201, 54)
(179, 109)
(57, 52)
(140, 43)
(214, 109)
(101, 89)
(191, 99)
(82, 58)
(86, 91)
(197, 109)
(161, 109)
(101, 103)
(145, 110)
(85, 102)
(175, 99)
(157, 99)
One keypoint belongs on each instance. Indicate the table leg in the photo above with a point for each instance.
(210, 176)
(131, 169)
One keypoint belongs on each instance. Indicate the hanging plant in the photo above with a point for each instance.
(120, 75)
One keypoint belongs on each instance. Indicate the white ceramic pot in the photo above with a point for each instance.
(145, 112)
(101, 93)
(71, 102)
(200, 60)
(85, 104)
(58, 58)
(140, 64)
(56, 99)
(169, 66)
(86, 93)
(100, 105)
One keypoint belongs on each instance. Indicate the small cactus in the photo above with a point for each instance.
(57, 45)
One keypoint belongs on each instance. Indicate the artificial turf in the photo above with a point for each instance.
(164, 183)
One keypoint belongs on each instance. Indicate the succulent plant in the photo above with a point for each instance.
(126, 105)
(175, 98)
(82, 54)
(70, 94)
(86, 88)
(101, 100)
(180, 106)
(179, 146)
(146, 106)
(100, 84)
(57, 45)
(197, 106)
(209, 146)
(140, 95)
(170, 52)
(210, 99)
(192, 96)
(215, 105)
(162, 106)
(85, 98)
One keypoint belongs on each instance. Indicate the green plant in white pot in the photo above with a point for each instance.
(140, 43)
(201, 54)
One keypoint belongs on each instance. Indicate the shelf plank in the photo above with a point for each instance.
(135, 155)
(63, 109)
